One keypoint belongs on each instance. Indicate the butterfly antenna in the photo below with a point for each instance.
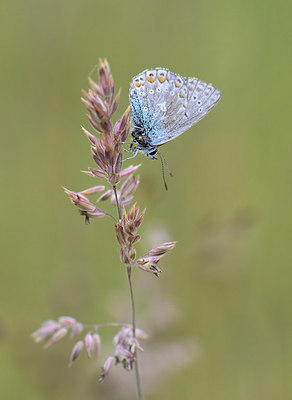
(168, 170)
(162, 167)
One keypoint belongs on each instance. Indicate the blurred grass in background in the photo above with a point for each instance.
(229, 203)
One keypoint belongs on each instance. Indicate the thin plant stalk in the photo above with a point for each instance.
(129, 276)
(137, 372)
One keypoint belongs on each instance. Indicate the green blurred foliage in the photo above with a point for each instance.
(228, 205)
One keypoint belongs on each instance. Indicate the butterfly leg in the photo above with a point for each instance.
(135, 153)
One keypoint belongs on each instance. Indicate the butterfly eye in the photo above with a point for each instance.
(195, 97)
(153, 152)
(199, 102)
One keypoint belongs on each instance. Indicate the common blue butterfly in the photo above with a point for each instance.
(164, 105)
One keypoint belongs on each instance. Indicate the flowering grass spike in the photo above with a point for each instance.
(119, 186)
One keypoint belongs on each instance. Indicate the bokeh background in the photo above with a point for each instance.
(219, 317)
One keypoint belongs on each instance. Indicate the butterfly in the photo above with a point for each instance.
(164, 105)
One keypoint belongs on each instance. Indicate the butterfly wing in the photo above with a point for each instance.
(147, 99)
(164, 104)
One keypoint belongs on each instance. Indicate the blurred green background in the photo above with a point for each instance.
(223, 304)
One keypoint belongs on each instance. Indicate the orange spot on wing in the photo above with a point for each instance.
(137, 84)
(132, 86)
(161, 79)
(177, 84)
(150, 79)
